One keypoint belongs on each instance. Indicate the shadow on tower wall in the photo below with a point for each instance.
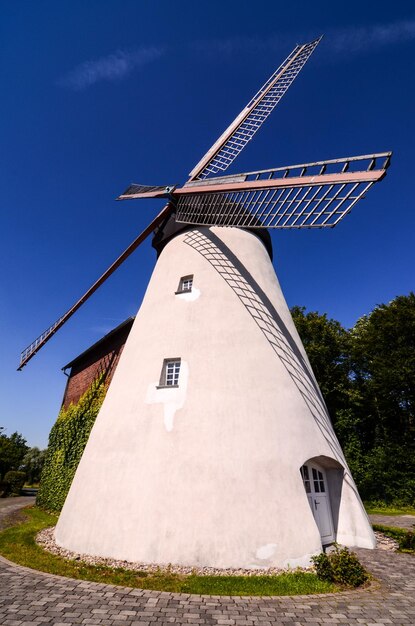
(268, 320)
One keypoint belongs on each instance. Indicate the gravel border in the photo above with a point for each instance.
(45, 538)
(385, 543)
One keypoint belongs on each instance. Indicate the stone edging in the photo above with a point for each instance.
(370, 587)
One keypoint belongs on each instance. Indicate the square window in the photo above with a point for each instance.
(185, 284)
(170, 373)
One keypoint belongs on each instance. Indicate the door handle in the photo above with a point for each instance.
(316, 504)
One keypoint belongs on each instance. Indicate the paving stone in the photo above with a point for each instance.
(30, 598)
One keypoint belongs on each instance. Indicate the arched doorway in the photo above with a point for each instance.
(316, 488)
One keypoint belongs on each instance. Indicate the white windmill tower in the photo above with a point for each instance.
(213, 445)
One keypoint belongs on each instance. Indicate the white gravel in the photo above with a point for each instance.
(385, 543)
(46, 540)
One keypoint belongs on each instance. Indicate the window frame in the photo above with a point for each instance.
(183, 279)
(164, 373)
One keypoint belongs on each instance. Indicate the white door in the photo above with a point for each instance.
(315, 485)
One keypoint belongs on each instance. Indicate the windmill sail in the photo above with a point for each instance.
(40, 341)
(146, 191)
(225, 150)
(313, 195)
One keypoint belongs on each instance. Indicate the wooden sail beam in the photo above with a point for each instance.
(315, 173)
(280, 183)
(38, 343)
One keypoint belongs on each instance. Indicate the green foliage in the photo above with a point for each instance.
(340, 566)
(18, 544)
(32, 464)
(12, 451)
(367, 379)
(326, 343)
(383, 354)
(322, 566)
(14, 481)
(67, 441)
(405, 538)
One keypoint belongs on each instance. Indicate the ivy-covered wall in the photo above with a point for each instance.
(67, 441)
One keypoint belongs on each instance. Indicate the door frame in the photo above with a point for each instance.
(316, 487)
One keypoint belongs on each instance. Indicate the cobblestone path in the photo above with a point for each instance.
(30, 598)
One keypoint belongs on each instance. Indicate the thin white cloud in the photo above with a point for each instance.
(115, 66)
(364, 38)
(354, 39)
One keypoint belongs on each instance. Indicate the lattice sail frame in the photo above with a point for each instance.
(312, 195)
(225, 150)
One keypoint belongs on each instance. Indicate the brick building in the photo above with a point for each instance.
(100, 358)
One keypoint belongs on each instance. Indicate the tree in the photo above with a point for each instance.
(367, 377)
(12, 451)
(32, 464)
(383, 354)
(382, 349)
(326, 343)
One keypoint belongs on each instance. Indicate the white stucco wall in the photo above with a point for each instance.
(208, 473)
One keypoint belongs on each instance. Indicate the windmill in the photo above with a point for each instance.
(213, 445)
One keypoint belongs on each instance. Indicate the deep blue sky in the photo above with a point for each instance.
(98, 94)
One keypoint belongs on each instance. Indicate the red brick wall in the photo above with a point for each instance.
(102, 360)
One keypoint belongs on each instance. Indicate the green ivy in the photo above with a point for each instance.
(67, 441)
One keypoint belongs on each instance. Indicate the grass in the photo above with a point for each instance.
(405, 538)
(17, 544)
(377, 508)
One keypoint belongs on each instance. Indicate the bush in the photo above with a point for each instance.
(15, 481)
(323, 567)
(407, 542)
(340, 566)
